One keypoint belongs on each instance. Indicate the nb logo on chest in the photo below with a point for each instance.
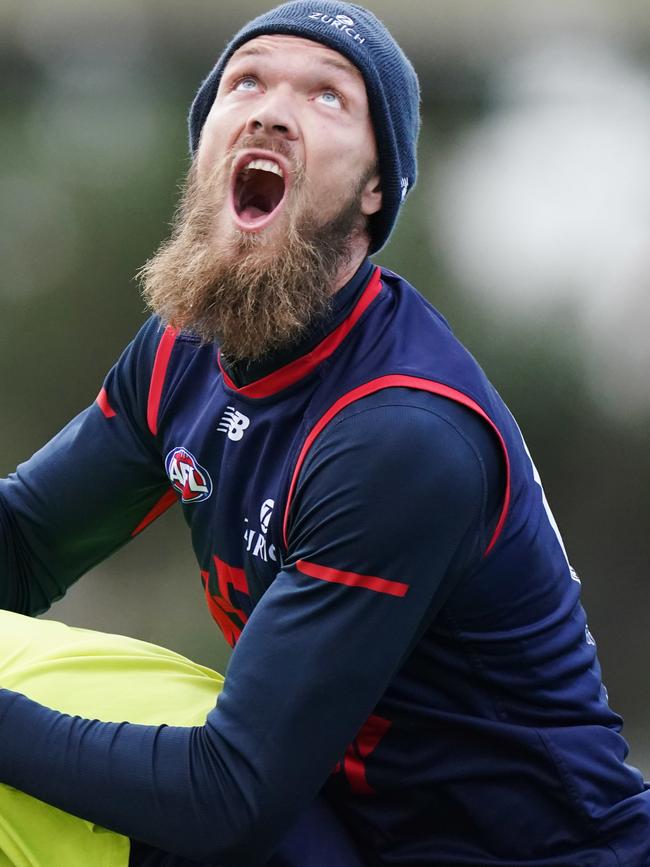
(233, 423)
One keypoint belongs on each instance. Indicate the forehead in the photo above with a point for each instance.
(288, 48)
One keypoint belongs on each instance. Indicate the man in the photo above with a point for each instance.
(372, 535)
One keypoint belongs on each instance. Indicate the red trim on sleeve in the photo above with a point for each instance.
(165, 502)
(296, 370)
(398, 381)
(352, 579)
(161, 362)
(102, 402)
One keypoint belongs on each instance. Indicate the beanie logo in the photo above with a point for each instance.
(340, 22)
(404, 184)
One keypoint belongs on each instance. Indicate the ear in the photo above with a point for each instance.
(371, 197)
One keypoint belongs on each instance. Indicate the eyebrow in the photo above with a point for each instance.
(343, 65)
(249, 49)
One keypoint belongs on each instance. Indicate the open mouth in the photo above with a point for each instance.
(258, 192)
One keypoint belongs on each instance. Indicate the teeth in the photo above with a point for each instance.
(265, 166)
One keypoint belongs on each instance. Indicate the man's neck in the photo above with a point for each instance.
(344, 297)
(358, 252)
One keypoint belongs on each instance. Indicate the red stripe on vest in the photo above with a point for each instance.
(296, 370)
(161, 362)
(398, 380)
(102, 402)
(352, 579)
(165, 502)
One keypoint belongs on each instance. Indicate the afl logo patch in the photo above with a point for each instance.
(188, 477)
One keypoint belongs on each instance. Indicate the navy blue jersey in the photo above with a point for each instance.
(374, 541)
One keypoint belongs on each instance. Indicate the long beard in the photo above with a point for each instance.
(253, 293)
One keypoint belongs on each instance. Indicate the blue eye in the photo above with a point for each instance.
(246, 83)
(331, 99)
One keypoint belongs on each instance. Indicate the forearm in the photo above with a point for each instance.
(161, 784)
(227, 791)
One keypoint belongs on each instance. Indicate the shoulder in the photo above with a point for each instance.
(413, 428)
(403, 440)
(154, 332)
(402, 444)
(157, 349)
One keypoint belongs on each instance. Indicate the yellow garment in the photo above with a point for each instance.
(90, 674)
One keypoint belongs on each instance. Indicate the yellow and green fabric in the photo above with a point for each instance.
(96, 675)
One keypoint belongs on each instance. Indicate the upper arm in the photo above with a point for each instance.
(84, 493)
(404, 485)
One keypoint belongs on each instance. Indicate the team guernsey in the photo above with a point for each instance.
(374, 542)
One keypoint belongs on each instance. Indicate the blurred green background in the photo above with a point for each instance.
(529, 229)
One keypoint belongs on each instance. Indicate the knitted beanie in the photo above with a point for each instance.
(391, 84)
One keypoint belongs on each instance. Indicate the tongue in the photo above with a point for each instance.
(252, 212)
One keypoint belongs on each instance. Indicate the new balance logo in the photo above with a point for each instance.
(233, 423)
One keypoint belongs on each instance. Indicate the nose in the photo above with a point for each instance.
(274, 116)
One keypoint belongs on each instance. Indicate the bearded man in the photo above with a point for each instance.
(373, 537)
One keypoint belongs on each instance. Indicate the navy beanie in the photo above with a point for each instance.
(391, 84)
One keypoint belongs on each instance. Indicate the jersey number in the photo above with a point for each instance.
(354, 761)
